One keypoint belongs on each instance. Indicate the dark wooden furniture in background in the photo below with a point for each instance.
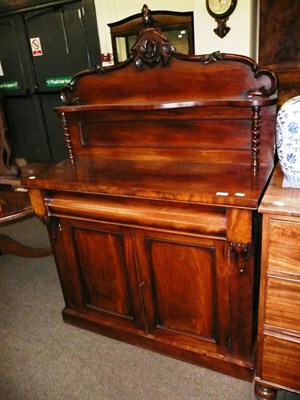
(14, 199)
(15, 205)
(9, 172)
(278, 355)
(153, 219)
(279, 37)
(177, 26)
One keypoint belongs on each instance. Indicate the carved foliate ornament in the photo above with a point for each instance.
(151, 46)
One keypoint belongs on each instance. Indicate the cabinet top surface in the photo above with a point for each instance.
(228, 185)
(278, 199)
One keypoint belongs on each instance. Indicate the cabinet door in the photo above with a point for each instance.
(185, 290)
(96, 264)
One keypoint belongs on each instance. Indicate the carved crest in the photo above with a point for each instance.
(151, 46)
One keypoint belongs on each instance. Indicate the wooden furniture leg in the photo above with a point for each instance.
(265, 392)
(13, 206)
(10, 246)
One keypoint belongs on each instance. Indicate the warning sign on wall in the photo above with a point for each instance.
(36, 47)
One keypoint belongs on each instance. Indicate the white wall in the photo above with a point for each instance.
(241, 39)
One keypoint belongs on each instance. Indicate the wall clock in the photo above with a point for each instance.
(220, 10)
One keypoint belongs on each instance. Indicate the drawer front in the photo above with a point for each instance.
(207, 220)
(280, 362)
(284, 246)
(283, 303)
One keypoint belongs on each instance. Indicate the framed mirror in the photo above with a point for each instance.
(177, 26)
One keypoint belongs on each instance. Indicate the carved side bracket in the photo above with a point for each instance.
(263, 91)
(241, 254)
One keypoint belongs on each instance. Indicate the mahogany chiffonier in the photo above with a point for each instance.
(153, 218)
(278, 354)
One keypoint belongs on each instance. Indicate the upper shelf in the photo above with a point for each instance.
(168, 105)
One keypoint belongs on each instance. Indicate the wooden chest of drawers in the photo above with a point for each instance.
(278, 361)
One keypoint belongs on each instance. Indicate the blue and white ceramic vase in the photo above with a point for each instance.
(288, 139)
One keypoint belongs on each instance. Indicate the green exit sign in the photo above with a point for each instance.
(12, 85)
(58, 81)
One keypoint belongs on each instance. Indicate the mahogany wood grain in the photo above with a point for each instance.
(278, 353)
(114, 89)
(185, 134)
(279, 33)
(176, 181)
(278, 200)
(283, 304)
(281, 22)
(153, 218)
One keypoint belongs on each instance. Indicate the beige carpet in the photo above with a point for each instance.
(42, 358)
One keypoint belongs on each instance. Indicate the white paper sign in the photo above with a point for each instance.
(36, 47)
